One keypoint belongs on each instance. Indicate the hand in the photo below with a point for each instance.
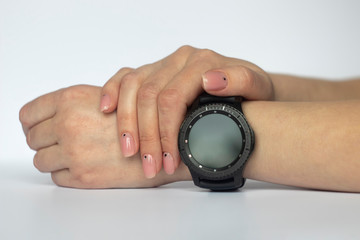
(79, 145)
(152, 100)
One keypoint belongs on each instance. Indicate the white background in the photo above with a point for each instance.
(46, 45)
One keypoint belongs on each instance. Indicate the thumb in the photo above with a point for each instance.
(238, 81)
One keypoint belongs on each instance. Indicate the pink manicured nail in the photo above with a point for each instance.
(105, 103)
(149, 166)
(127, 145)
(169, 164)
(214, 80)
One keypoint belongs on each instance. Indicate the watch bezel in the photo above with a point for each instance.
(237, 164)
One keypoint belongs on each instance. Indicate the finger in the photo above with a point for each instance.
(63, 178)
(38, 110)
(150, 146)
(49, 159)
(110, 91)
(41, 135)
(171, 113)
(127, 115)
(127, 108)
(172, 106)
(238, 81)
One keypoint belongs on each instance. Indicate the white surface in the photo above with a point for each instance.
(32, 207)
(46, 45)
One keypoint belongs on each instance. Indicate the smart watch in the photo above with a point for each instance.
(215, 142)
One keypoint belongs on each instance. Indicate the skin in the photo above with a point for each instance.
(79, 145)
(152, 100)
(316, 143)
(306, 144)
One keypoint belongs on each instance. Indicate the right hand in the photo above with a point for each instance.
(152, 100)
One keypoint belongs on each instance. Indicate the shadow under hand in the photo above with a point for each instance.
(258, 185)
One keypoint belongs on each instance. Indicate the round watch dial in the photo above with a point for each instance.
(215, 140)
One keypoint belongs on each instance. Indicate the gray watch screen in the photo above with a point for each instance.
(215, 141)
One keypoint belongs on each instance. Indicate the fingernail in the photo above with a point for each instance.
(127, 145)
(105, 103)
(214, 80)
(169, 165)
(149, 166)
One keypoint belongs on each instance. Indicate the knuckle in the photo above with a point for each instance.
(60, 181)
(148, 92)
(81, 173)
(186, 49)
(179, 57)
(248, 78)
(168, 99)
(166, 140)
(130, 81)
(130, 78)
(22, 115)
(84, 178)
(203, 57)
(110, 85)
(55, 179)
(71, 93)
(36, 162)
(124, 70)
(205, 54)
(126, 118)
(147, 138)
(29, 139)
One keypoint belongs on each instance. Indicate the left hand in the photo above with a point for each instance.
(79, 145)
(152, 100)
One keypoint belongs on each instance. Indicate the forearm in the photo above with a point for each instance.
(313, 145)
(293, 88)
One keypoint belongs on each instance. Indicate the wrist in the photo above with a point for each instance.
(305, 144)
(293, 88)
(181, 174)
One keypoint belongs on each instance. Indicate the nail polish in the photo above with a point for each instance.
(149, 166)
(105, 103)
(127, 145)
(214, 80)
(169, 164)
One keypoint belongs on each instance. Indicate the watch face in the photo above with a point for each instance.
(215, 140)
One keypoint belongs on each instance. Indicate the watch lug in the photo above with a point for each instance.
(195, 178)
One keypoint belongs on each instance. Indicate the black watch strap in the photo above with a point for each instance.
(219, 185)
(205, 98)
